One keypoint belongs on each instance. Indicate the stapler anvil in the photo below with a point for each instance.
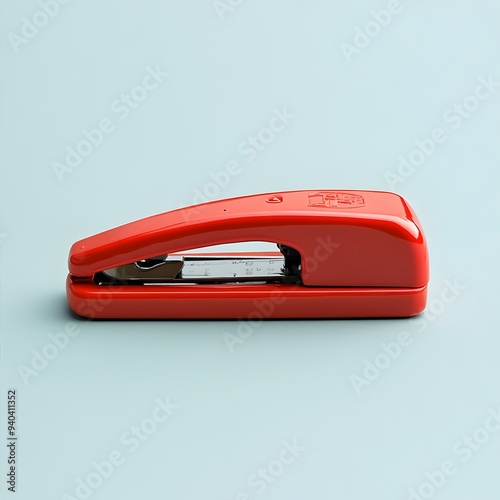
(340, 254)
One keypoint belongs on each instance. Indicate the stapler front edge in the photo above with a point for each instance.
(340, 254)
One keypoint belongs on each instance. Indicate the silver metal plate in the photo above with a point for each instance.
(200, 269)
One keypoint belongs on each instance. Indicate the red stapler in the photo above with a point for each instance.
(340, 254)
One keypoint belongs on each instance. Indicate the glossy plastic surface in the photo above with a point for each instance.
(363, 254)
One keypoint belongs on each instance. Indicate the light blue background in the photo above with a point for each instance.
(289, 379)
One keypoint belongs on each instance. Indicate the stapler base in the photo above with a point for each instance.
(240, 301)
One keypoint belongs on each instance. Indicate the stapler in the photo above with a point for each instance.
(340, 254)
